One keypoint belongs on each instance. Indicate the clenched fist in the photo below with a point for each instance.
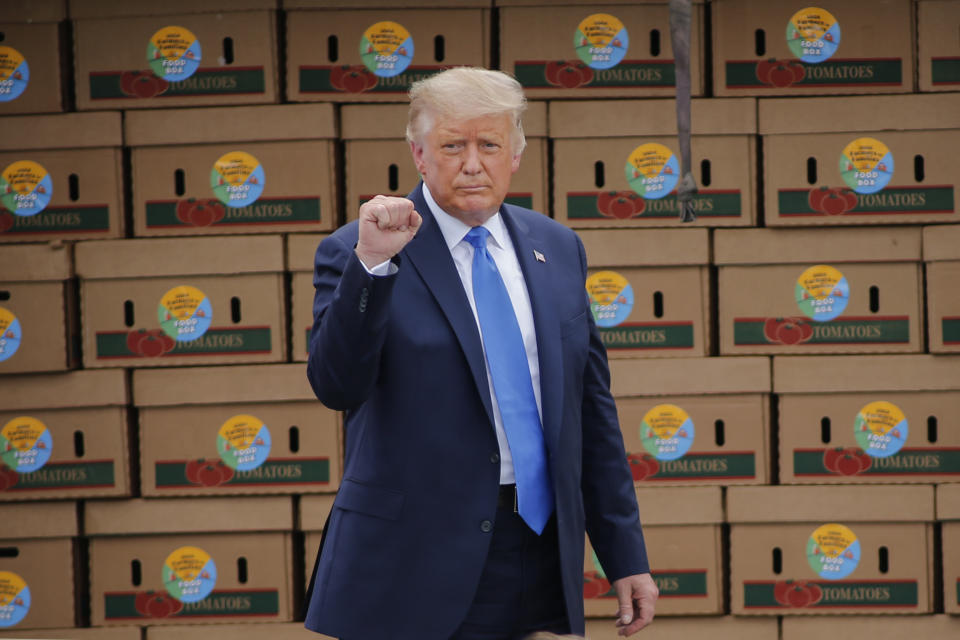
(387, 224)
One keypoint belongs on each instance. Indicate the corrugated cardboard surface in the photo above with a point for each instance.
(718, 628)
(116, 633)
(608, 119)
(36, 263)
(941, 243)
(941, 252)
(948, 512)
(852, 504)
(646, 248)
(693, 376)
(936, 627)
(443, 37)
(63, 131)
(109, 9)
(793, 246)
(300, 253)
(47, 568)
(911, 112)
(39, 44)
(875, 54)
(179, 515)
(938, 55)
(839, 374)
(274, 631)
(37, 11)
(108, 48)
(41, 520)
(314, 511)
(531, 37)
(253, 579)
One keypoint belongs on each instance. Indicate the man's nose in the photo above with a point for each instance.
(471, 160)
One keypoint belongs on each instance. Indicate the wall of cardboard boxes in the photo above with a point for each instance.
(783, 365)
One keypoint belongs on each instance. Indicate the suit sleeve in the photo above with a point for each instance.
(350, 313)
(610, 503)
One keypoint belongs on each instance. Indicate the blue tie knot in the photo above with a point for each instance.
(477, 237)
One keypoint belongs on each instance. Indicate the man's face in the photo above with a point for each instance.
(467, 164)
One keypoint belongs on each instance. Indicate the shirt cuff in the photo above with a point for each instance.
(385, 268)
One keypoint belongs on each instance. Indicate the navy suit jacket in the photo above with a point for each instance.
(406, 540)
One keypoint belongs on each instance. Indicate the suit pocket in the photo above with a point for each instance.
(576, 324)
(373, 501)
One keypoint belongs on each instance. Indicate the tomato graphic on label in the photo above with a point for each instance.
(568, 74)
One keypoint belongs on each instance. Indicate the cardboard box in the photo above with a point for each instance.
(650, 290)
(716, 628)
(235, 430)
(239, 547)
(852, 290)
(134, 8)
(552, 50)
(314, 511)
(868, 419)
(813, 551)
(812, 175)
(695, 420)
(274, 631)
(236, 62)
(681, 528)
(80, 176)
(597, 143)
(226, 291)
(71, 430)
(938, 52)
(869, 48)
(37, 314)
(378, 159)
(33, 51)
(116, 633)
(935, 627)
(37, 566)
(948, 513)
(301, 249)
(279, 160)
(327, 61)
(941, 256)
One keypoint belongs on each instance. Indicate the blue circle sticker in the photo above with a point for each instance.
(813, 35)
(25, 188)
(611, 298)
(243, 442)
(25, 444)
(14, 74)
(386, 49)
(833, 551)
(881, 429)
(667, 432)
(601, 41)
(237, 179)
(189, 574)
(652, 170)
(14, 599)
(185, 313)
(173, 53)
(866, 165)
(10, 334)
(822, 293)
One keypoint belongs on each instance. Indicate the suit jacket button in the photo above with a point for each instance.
(494, 458)
(486, 526)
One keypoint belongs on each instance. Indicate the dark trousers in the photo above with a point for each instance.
(520, 590)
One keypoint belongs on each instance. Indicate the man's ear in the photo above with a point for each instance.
(416, 151)
(516, 162)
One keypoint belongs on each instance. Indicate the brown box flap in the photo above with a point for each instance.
(35, 263)
(389, 121)
(386, 4)
(948, 502)
(87, 388)
(313, 512)
(38, 520)
(213, 385)
(809, 246)
(887, 113)
(646, 247)
(179, 515)
(130, 8)
(95, 633)
(145, 258)
(62, 131)
(941, 242)
(256, 631)
(656, 117)
(301, 250)
(695, 627)
(863, 503)
(584, 3)
(852, 373)
(877, 627)
(229, 124)
(690, 376)
(35, 11)
(680, 505)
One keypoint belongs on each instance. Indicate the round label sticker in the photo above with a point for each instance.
(237, 179)
(813, 34)
(652, 170)
(667, 432)
(185, 313)
(173, 53)
(25, 444)
(189, 574)
(611, 298)
(14, 74)
(10, 334)
(386, 49)
(833, 551)
(881, 429)
(866, 165)
(822, 293)
(243, 442)
(25, 188)
(601, 41)
(14, 599)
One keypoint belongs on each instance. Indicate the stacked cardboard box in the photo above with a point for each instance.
(34, 78)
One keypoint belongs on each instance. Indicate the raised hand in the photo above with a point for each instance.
(387, 224)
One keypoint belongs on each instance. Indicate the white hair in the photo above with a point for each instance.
(466, 93)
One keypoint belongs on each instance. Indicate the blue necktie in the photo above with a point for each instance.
(507, 360)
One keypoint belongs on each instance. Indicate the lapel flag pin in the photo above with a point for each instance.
(538, 256)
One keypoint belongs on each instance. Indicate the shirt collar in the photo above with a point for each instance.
(454, 229)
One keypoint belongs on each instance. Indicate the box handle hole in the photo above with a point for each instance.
(657, 304)
(179, 182)
(931, 428)
(874, 299)
(655, 42)
(439, 48)
(777, 560)
(884, 556)
(128, 317)
(9, 552)
(79, 447)
(228, 50)
(333, 49)
(136, 574)
(73, 187)
(393, 177)
(4, 295)
(235, 309)
(918, 169)
(294, 439)
(598, 178)
(811, 171)
(242, 570)
(760, 42)
(719, 432)
(705, 177)
(825, 430)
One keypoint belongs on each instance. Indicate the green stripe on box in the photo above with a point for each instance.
(891, 200)
(706, 466)
(742, 74)
(582, 205)
(907, 461)
(945, 70)
(680, 583)
(641, 336)
(950, 328)
(887, 330)
(65, 219)
(265, 211)
(628, 73)
(219, 604)
(839, 593)
(204, 82)
(113, 344)
(67, 475)
(316, 79)
(172, 474)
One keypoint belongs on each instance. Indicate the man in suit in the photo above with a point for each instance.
(481, 436)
